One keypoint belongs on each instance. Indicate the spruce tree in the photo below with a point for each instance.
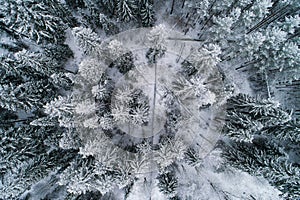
(261, 136)
(147, 13)
(168, 184)
(32, 19)
(87, 40)
(126, 9)
(26, 159)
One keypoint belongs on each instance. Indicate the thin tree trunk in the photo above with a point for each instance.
(268, 88)
(15, 121)
(183, 2)
(269, 19)
(186, 39)
(172, 7)
(247, 64)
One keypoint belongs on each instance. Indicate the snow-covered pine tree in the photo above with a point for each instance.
(9, 99)
(264, 158)
(289, 131)
(124, 63)
(87, 40)
(254, 12)
(139, 107)
(62, 80)
(26, 159)
(26, 96)
(157, 39)
(108, 25)
(249, 44)
(222, 28)
(88, 174)
(91, 69)
(247, 116)
(261, 136)
(102, 93)
(62, 109)
(147, 13)
(116, 49)
(169, 151)
(11, 73)
(202, 8)
(126, 9)
(196, 87)
(277, 53)
(205, 58)
(69, 139)
(32, 19)
(192, 157)
(131, 106)
(168, 183)
(37, 61)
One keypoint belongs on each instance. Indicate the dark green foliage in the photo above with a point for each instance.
(124, 63)
(139, 105)
(26, 159)
(108, 25)
(188, 69)
(246, 116)
(168, 184)
(74, 4)
(261, 136)
(147, 13)
(264, 159)
(153, 54)
(289, 131)
(126, 9)
(32, 19)
(192, 158)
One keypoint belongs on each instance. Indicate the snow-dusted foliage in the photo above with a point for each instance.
(126, 9)
(158, 37)
(62, 109)
(131, 106)
(147, 13)
(248, 116)
(157, 40)
(92, 106)
(115, 48)
(206, 57)
(87, 176)
(39, 62)
(197, 88)
(26, 160)
(168, 184)
(257, 147)
(90, 69)
(170, 151)
(36, 20)
(87, 40)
